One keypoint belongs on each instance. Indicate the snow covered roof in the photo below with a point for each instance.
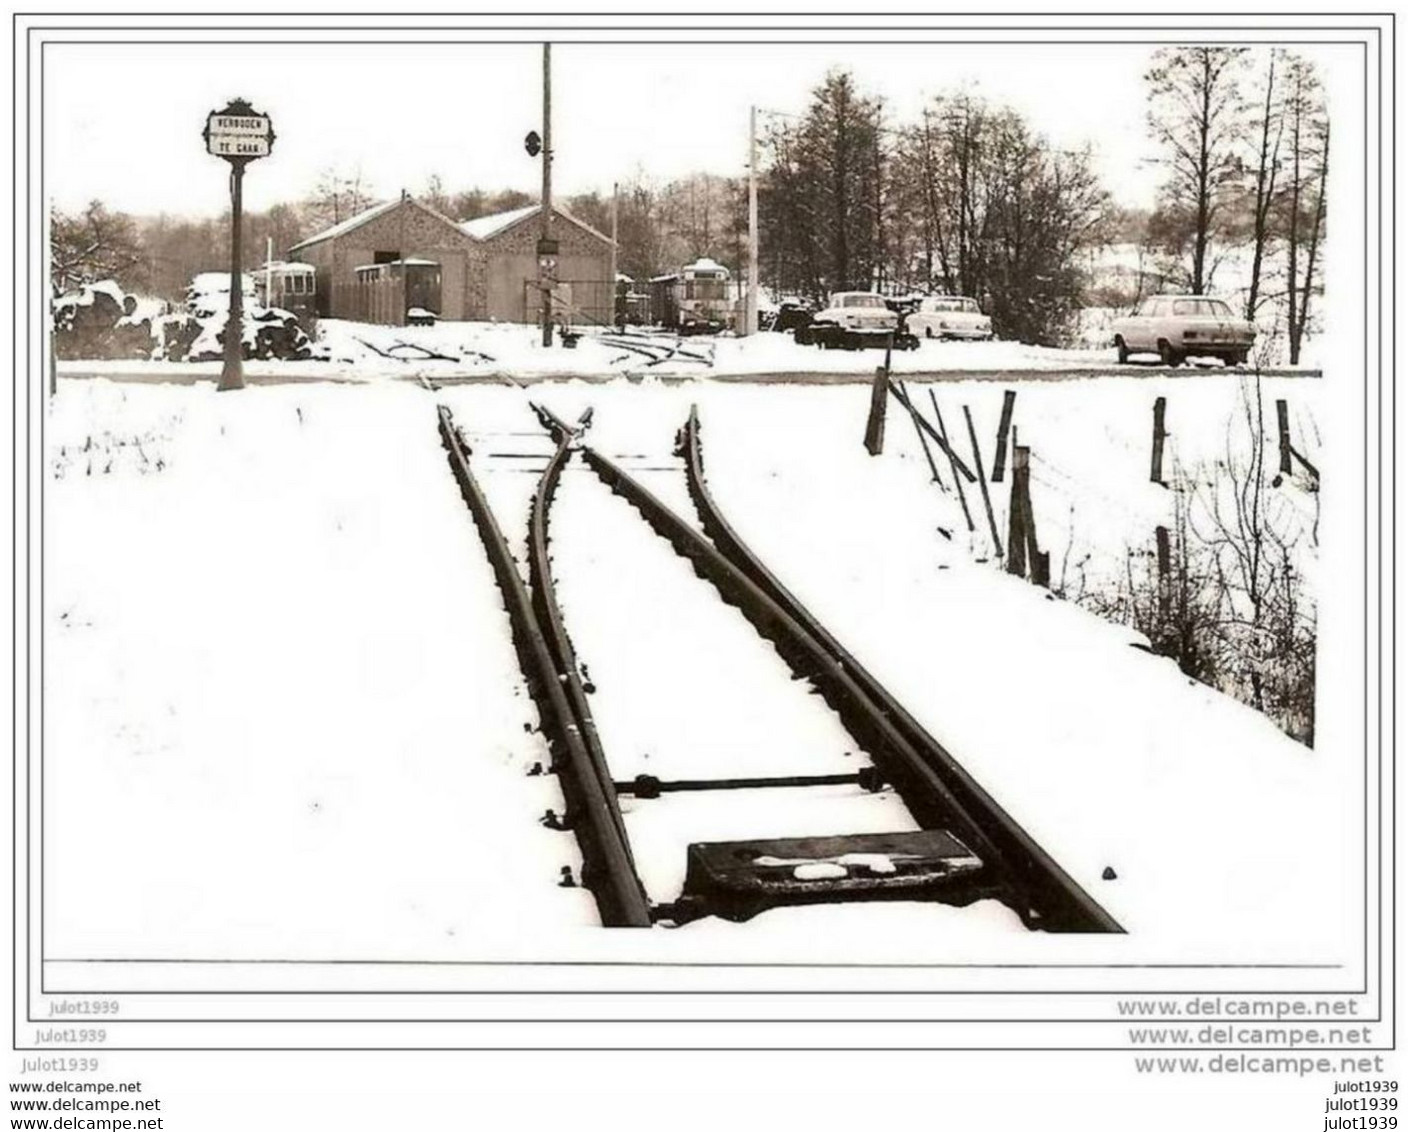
(486, 227)
(286, 267)
(352, 223)
(482, 227)
(704, 263)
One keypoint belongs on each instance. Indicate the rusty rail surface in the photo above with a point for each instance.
(593, 813)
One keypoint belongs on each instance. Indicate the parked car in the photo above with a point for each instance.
(1176, 326)
(950, 316)
(859, 311)
(853, 319)
(790, 314)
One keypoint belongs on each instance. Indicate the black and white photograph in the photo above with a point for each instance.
(793, 521)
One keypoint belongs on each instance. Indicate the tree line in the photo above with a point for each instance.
(969, 198)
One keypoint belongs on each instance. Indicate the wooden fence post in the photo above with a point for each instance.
(982, 481)
(999, 461)
(1165, 570)
(1022, 549)
(1038, 559)
(1016, 515)
(1283, 430)
(1156, 463)
(919, 431)
(875, 423)
(953, 465)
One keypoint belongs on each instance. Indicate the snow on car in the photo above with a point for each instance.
(950, 316)
(853, 319)
(1179, 326)
(859, 310)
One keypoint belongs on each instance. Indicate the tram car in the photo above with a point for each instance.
(291, 287)
(395, 292)
(632, 307)
(696, 300)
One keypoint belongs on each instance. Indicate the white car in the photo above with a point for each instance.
(858, 311)
(1176, 326)
(950, 316)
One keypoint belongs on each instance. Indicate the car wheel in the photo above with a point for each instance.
(929, 333)
(1168, 355)
(1121, 350)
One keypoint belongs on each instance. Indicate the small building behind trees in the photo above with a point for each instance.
(401, 254)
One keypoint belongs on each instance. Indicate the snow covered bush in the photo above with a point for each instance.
(100, 321)
(199, 334)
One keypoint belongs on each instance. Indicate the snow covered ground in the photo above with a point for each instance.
(280, 687)
(481, 351)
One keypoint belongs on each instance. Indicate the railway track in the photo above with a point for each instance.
(965, 848)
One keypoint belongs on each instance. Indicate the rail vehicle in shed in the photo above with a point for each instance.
(698, 299)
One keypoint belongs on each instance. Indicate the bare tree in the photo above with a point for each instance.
(338, 195)
(1270, 127)
(1304, 198)
(92, 245)
(1006, 215)
(1195, 112)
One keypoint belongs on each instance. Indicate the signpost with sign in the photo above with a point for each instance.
(547, 246)
(239, 134)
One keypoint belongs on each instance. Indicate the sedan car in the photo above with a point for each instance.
(854, 319)
(858, 310)
(950, 316)
(1177, 326)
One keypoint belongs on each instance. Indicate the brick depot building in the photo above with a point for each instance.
(480, 270)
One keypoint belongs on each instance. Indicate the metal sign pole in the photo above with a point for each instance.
(232, 373)
(239, 134)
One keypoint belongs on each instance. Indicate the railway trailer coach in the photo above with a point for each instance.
(695, 300)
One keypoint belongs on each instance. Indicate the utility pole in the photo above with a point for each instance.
(750, 304)
(615, 253)
(547, 248)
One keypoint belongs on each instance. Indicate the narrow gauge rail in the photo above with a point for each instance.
(955, 858)
(607, 868)
(1057, 897)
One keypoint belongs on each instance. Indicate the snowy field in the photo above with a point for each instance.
(279, 683)
(480, 351)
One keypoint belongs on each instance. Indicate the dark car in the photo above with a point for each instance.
(790, 314)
